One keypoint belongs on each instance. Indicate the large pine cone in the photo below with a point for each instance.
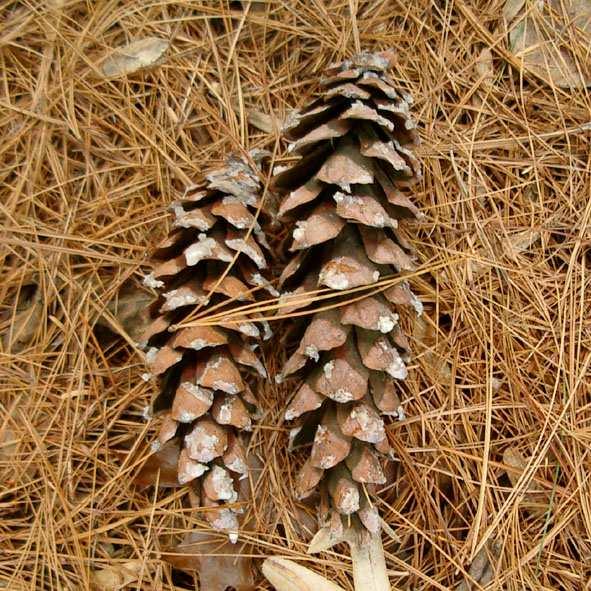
(202, 369)
(347, 192)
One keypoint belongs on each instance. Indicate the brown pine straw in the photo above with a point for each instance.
(502, 358)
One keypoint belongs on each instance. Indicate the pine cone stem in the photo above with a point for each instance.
(369, 565)
(367, 555)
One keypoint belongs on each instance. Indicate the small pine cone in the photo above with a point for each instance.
(202, 369)
(347, 193)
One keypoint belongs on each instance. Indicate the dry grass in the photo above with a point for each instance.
(87, 167)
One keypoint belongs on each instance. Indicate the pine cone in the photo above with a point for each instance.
(347, 193)
(202, 370)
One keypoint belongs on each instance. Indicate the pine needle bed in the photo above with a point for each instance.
(493, 452)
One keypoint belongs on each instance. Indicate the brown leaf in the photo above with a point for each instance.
(263, 121)
(219, 562)
(542, 40)
(8, 439)
(140, 54)
(426, 335)
(117, 576)
(535, 498)
(481, 570)
(130, 309)
(13, 445)
(485, 74)
(512, 9)
(511, 246)
(161, 467)
(520, 241)
(26, 321)
(484, 67)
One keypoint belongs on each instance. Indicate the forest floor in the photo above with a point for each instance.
(493, 471)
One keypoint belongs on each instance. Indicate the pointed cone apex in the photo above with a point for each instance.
(348, 266)
(324, 333)
(159, 360)
(228, 409)
(362, 421)
(384, 394)
(371, 313)
(221, 373)
(304, 194)
(342, 378)
(167, 429)
(234, 457)
(378, 353)
(190, 402)
(365, 465)
(199, 337)
(322, 225)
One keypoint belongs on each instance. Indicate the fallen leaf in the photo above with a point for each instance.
(305, 523)
(255, 5)
(161, 467)
(367, 555)
(542, 38)
(512, 9)
(496, 384)
(117, 576)
(482, 571)
(536, 499)
(286, 575)
(426, 336)
(511, 246)
(138, 55)
(9, 443)
(131, 311)
(26, 321)
(220, 564)
(262, 121)
(520, 241)
(485, 74)
(484, 67)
